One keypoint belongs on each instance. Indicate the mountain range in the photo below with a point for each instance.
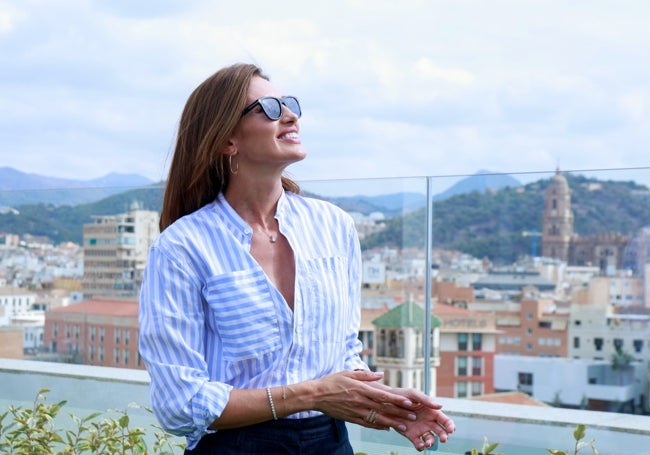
(20, 188)
(483, 215)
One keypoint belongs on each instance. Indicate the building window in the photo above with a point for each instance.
(381, 347)
(67, 330)
(477, 341)
(419, 345)
(102, 334)
(91, 352)
(91, 333)
(461, 390)
(77, 331)
(125, 356)
(101, 353)
(525, 379)
(55, 329)
(618, 344)
(477, 389)
(117, 336)
(576, 342)
(116, 355)
(638, 345)
(462, 366)
(462, 341)
(392, 344)
(477, 366)
(598, 344)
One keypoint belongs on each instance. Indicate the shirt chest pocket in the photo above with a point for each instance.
(242, 312)
(327, 284)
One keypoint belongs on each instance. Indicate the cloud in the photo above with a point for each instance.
(452, 86)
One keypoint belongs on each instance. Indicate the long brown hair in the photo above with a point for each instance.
(198, 171)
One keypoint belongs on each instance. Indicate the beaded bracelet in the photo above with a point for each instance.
(268, 394)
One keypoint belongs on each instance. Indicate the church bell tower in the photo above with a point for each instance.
(557, 219)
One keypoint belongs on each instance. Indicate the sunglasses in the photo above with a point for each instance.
(272, 107)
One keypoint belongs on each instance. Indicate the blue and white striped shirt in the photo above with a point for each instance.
(211, 320)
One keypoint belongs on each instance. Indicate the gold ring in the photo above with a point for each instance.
(371, 417)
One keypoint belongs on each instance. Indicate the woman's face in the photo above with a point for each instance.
(262, 143)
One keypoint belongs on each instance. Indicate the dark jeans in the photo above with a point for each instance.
(314, 436)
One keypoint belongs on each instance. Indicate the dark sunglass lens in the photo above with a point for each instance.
(272, 108)
(292, 104)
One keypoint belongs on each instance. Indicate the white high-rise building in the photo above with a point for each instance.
(115, 252)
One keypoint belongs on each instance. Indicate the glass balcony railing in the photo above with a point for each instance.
(520, 300)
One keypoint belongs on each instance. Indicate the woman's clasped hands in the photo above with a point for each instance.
(359, 397)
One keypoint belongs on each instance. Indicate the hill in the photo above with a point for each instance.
(20, 188)
(485, 223)
(482, 181)
(490, 224)
(65, 223)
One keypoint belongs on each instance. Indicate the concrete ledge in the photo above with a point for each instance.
(519, 429)
(82, 386)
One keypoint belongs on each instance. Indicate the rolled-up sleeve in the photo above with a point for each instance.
(171, 343)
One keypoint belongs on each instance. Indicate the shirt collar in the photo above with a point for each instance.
(236, 223)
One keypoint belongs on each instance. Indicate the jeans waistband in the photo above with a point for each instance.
(295, 424)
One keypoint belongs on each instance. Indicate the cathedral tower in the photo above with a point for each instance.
(557, 219)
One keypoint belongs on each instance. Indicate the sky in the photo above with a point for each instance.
(388, 89)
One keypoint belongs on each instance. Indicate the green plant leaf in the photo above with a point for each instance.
(124, 421)
(579, 432)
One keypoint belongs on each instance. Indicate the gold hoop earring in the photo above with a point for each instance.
(236, 170)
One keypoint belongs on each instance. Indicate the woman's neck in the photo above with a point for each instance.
(256, 204)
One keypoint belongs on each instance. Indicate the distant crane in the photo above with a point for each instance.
(534, 235)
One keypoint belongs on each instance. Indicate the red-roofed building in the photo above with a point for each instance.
(100, 332)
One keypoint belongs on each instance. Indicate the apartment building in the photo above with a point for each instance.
(532, 327)
(115, 252)
(467, 349)
(101, 332)
(15, 302)
(574, 383)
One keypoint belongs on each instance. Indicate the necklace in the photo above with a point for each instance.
(272, 237)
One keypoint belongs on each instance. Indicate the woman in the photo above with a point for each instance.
(249, 310)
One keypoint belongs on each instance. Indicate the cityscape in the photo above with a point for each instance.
(566, 326)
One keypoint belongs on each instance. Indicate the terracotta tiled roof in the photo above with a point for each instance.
(511, 398)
